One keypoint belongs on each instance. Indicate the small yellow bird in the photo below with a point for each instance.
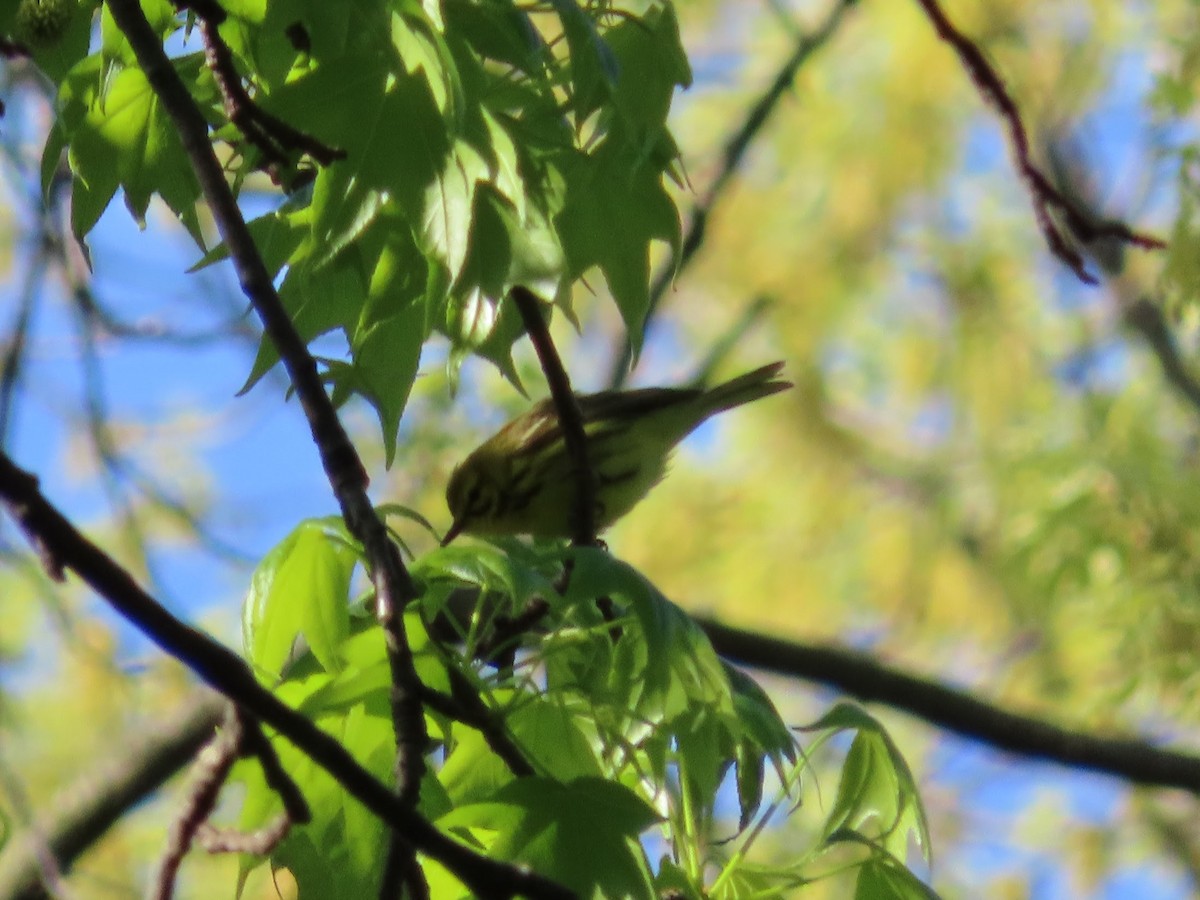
(521, 481)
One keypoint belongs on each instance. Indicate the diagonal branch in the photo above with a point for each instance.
(62, 547)
(1142, 314)
(1044, 195)
(954, 710)
(854, 672)
(343, 467)
(570, 418)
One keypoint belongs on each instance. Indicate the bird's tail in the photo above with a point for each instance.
(745, 388)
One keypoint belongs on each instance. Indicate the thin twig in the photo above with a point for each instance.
(240, 736)
(260, 842)
(957, 711)
(474, 712)
(570, 419)
(731, 158)
(61, 546)
(44, 873)
(1043, 194)
(209, 773)
(1139, 313)
(120, 470)
(254, 743)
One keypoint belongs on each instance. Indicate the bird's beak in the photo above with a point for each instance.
(455, 531)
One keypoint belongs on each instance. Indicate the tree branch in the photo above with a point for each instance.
(210, 770)
(570, 419)
(62, 547)
(1043, 194)
(347, 475)
(1139, 313)
(954, 710)
(14, 354)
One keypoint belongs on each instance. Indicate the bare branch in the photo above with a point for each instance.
(570, 419)
(954, 710)
(274, 138)
(209, 772)
(1042, 193)
(343, 467)
(64, 547)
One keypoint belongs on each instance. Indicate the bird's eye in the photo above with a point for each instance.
(475, 501)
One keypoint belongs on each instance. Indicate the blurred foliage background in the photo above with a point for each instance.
(983, 476)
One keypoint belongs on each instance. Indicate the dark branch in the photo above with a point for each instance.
(1140, 314)
(731, 158)
(254, 743)
(1042, 193)
(209, 773)
(465, 705)
(259, 843)
(240, 736)
(570, 419)
(954, 710)
(347, 475)
(64, 547)
(1145, 317)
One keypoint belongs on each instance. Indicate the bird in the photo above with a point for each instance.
(522, 480)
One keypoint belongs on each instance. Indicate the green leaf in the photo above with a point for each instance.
(52, 153)
(418, 40)
(277, 236)
(487, 567)
(673, 669)
(472, 773)
(499, 31)
(594, 68)
(391, 129)
(652, 64)
(371, 738)
(503, 251)
(56, 55)
(762, 735)
(760, 721)
(616, 205)
(552, 737)
(119, 135)
(300, 588)
(114, 46)
(883, 877)
(877, 795)
(448, 206)
(582, 833)
(386, 358)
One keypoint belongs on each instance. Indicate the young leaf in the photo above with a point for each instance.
(300, 588)
(877, 796)
(583, 833)
(883, 877)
